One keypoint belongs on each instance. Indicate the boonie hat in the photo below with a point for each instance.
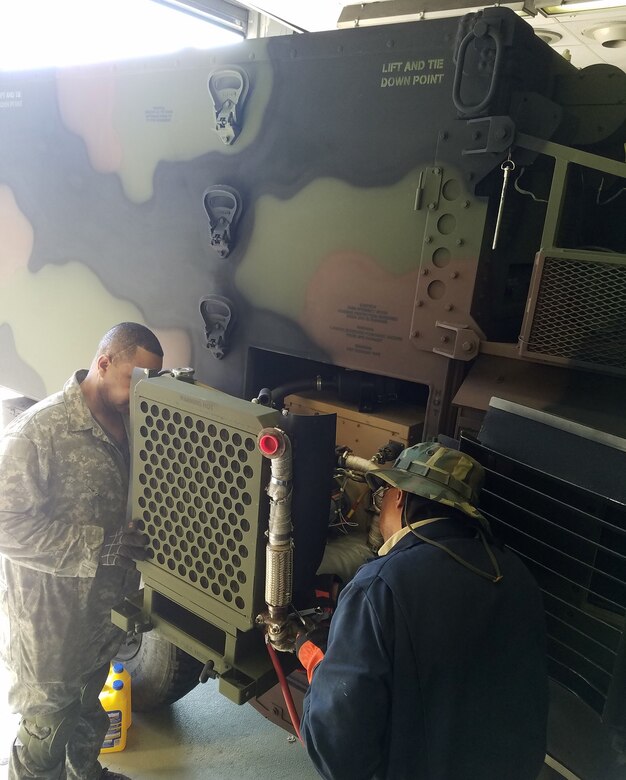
(438, 473)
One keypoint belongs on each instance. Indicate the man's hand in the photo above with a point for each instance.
(310, 648)
(124, 547)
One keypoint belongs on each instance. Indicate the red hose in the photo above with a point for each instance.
(284, 686)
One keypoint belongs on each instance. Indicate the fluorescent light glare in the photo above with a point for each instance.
(576, 6)
(396, 11)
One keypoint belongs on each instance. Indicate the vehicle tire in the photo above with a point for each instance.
(160, 672)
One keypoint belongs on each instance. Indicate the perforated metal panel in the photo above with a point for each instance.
(577, 314)
(196, 499)
(198, 488)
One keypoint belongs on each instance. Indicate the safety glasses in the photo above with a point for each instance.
(377, 496)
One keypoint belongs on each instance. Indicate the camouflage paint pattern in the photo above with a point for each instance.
(102, 184)
(368, 202)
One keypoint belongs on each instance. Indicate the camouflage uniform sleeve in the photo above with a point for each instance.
(28, 534)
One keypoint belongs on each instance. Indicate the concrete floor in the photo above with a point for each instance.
(201, 737)
(204, 736)
(207, 737)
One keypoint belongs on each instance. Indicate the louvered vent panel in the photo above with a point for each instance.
(574, 542)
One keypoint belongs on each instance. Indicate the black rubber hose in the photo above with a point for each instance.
(276, 397)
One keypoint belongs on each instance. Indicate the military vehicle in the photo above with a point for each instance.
(357, 240)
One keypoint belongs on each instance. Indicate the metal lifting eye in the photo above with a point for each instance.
(228, 88)
(223, 208)
(219, 315)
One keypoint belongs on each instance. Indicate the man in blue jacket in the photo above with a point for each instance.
(435, 666)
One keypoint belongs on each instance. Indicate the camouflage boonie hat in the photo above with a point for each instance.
(438, 473)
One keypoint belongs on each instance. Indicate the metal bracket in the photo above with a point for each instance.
(128, 615)
(218, 315)
(496, 136)
(223, 207)
(461, 342)
(228, 88)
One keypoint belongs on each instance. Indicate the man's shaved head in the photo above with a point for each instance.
(125, 338)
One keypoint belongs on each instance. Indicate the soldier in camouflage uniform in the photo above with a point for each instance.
(68, 557)
(435, 666)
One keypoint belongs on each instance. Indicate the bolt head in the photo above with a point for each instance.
(481, 29)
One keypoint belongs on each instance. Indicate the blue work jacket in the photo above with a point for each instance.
(431, 671)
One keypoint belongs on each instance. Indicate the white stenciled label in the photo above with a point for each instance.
(10, 98)
(412, 73)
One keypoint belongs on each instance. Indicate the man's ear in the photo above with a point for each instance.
(399, 497)
(103, 363)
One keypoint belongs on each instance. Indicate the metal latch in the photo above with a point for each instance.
(228, 88)
(223, 207)
(461, 343)
(183, 373)
(428, 189)
(208, 672)
(218, 315)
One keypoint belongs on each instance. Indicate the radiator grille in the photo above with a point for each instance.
(197, 500)
(580, 313)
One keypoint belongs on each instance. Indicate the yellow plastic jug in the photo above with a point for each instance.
(114, 699)
(119, 672)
